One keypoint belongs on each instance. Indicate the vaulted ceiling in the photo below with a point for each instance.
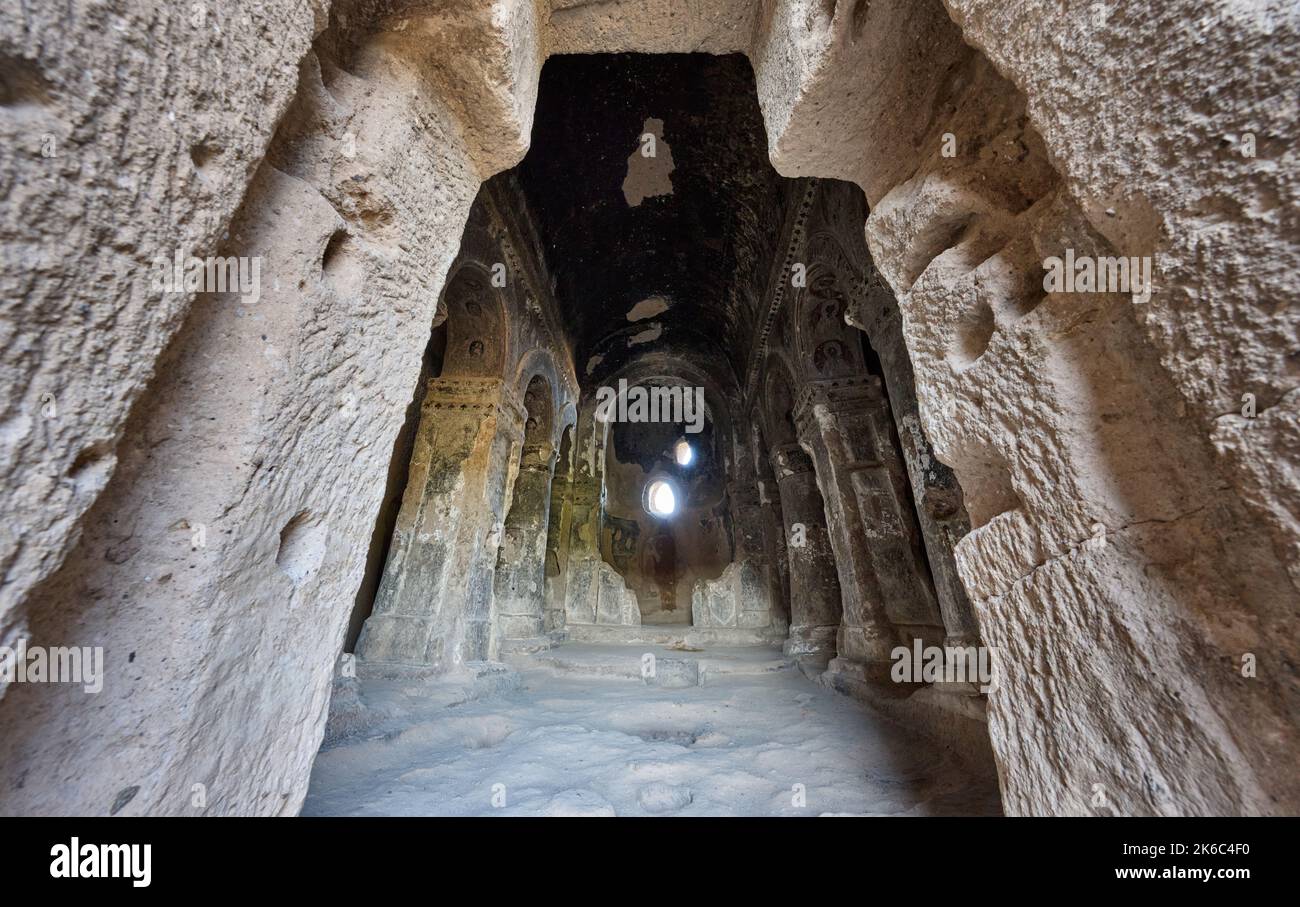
(665, 254)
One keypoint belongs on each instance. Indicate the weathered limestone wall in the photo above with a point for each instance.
(1165, 166)
(110, 156)
(1101, 525)
(849, 89)
(215, 567)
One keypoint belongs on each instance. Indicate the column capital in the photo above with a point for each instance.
(839, 395)
(469, 396)
(538, 456)
(790, 459)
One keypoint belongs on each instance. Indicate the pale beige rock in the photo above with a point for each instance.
(133, 417)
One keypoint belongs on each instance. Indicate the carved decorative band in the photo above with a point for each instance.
(483, 396)
(840, 395)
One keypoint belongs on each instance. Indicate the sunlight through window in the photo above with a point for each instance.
(660, 498)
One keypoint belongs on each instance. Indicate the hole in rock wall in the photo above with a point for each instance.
(986, 481)
(938, 237)
(204, 156)
(21, 83)
(302, 547)
(341, 264)
(974, 332)
(91, 467)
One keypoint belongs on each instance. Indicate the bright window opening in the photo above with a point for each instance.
(660, 498)
(683, 453)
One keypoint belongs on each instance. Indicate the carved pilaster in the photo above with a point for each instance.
(815, 605)
(845, 426)
(448, 528)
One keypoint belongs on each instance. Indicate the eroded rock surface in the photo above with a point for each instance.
(1100, 486)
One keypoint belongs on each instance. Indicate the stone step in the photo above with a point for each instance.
(669, 635)
(664, 666)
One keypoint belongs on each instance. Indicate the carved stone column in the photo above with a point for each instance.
(776, 563)
(944, 521)
(844, 425)
(521, 561)
(814, 586)
(558, 551)
(584, 551)
(757, 607)
(434, 601)
(940, 503)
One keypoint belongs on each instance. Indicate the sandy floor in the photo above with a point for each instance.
(586, 735)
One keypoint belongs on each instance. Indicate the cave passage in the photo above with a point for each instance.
(685, 457)
(744, 406)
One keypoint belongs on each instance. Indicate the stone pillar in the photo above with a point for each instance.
(521, 561)
(749, 549)
(844, 424)
(594, 591)
(434, 601)
(580, 599)
(940, 503)
(814, 586)
(557, 554)
(776, 563)
(944, 521)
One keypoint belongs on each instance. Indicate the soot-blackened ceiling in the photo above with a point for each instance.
(631, 237)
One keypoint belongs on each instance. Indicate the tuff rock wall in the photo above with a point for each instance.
(345, 145)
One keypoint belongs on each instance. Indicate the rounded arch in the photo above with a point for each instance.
(477, 340)
(539, 408)
(540, 363)
(568, 416)
(565, 458)
(721, 395)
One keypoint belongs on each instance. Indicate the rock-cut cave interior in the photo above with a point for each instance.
(650, 409)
